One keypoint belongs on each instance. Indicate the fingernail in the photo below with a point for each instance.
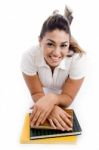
(63, 129)
(31, 125)
(37, 124)
(70, 129)
(41, 122)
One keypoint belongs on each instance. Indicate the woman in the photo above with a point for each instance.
(56, 65)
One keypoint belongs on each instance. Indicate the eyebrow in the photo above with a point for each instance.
(55, 42)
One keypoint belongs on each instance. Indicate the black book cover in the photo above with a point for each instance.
(45, 133)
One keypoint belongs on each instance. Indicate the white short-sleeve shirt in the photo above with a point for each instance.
(33, 63)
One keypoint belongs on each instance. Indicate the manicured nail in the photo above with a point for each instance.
(41, 122)
(63, 129)
(37, 124)
(70, 129)
(31, 125)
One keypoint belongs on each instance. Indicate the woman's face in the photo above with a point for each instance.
(55, 45)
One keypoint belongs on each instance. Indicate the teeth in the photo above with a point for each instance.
(55, 59)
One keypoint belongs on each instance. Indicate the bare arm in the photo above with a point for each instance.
(44, 104)
(70, 89)
(34, 85)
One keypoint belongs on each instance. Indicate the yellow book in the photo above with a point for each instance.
(25, 136)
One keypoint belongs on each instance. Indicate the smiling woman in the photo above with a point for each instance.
(55, 45)
(56, 64)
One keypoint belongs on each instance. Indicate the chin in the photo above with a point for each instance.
(54, 65)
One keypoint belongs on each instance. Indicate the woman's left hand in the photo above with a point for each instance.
(60, 119)
(42, 109)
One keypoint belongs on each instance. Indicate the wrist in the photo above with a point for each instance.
(37, 96)
(54, 98)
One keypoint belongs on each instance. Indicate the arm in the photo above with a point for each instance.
(43, 104)
(34, 85)
(70, 89)
(58, 117)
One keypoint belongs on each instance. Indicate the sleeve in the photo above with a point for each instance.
(27, 64)
(78, 66)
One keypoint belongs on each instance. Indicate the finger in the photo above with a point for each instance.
(33, 113)
(45, 117)
(66, 120)
(68, 115)
(69, 122)
(35, 118)
(62, 122)
(56, 122)
(52, 123)
(65, 125)
(41, 116)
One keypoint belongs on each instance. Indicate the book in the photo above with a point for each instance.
(48, 132)
(46, 124)
(25, 136)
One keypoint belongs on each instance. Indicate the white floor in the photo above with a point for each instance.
(17, 32)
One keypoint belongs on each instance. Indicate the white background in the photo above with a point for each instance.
(20, 24)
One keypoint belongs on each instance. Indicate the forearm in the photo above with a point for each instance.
(69, 92)
(53, 97)
(37, 96)
(35, 87)
(63, 100)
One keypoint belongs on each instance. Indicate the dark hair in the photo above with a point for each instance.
(55, 22)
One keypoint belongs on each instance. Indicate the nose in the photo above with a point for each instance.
(57, 52)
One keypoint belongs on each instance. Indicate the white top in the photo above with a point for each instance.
(33, 62)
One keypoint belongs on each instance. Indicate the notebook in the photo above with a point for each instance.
(46, 124)
(25, 136)
(47, 132)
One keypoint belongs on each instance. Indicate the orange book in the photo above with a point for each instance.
(63, 138)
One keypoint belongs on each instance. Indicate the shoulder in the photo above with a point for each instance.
(29, 60)
(33, 51)
(32, 54)
(78, 66)
(75, 58)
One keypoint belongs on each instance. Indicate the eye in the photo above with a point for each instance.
(63, 45)
(50, 44)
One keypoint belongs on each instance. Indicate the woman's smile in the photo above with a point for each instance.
(55, 59)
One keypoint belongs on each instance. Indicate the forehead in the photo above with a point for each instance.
(57, 36)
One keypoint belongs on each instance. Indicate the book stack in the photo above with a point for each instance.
(46, 134)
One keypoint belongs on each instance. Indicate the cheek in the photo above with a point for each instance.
(47, 51)
(65, 52)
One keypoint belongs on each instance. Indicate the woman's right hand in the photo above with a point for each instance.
(59, 119)
(42, 108)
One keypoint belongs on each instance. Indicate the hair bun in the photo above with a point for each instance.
(55, 12)
(68, 14)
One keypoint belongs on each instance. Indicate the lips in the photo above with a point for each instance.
(55, 59)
